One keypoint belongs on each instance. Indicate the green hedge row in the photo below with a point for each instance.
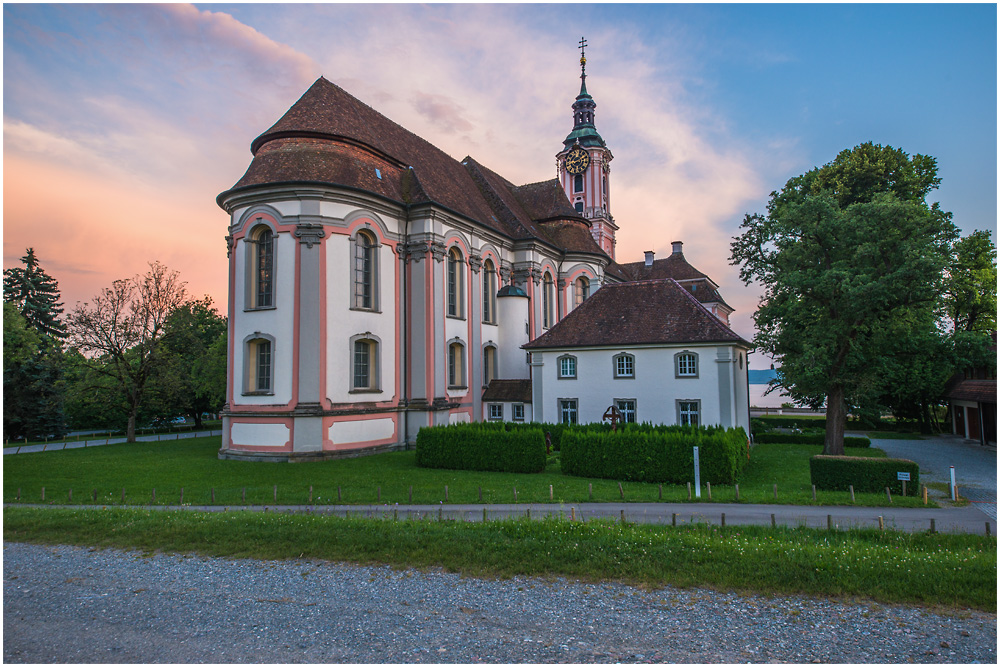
(646, 453)
(807, 439)
(783, 421)
(482, 446)
(838, 473)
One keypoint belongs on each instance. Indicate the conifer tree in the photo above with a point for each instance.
(36, 295)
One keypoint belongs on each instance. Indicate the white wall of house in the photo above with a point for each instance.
(719, 387)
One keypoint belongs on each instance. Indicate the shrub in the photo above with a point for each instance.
(646, 453)
(807, 439)
(785, 421)
(486, 446)
(758, 426)
(838, 473)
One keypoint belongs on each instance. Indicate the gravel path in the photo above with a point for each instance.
(70, 604)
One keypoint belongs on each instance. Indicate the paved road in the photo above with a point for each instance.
(975, 465)
(97, 442)
(912, 519)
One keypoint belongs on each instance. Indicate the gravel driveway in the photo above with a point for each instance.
(70, 604)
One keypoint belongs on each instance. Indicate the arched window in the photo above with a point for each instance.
(456, 366)
(455, 266)
(578, 183)
(364, 358)
(260, 291)
(686, 364)
(567, 367)
(365, 271)
(258, 365)
(489, 364)
(547, 299)
(489, 292)
(579, 207)
(582, 290)
(624, 365)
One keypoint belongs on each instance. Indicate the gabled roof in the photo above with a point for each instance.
(675, 266)
(980, 391)
(648, 312)
(518, 391)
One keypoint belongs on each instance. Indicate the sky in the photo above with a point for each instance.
(122, 123)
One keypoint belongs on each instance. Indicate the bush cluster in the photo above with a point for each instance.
(646, 453)
(870, 475)
(489, 446)
(807, 439)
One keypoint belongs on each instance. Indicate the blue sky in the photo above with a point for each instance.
(123, 122)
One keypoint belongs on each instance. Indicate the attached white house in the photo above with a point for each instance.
(648, 348)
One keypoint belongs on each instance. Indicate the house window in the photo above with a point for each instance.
(489, 292)
(581, 291)
(567, 367)
(261, 252)
(578, 183)
(365, 271)
(686, 365)
(547, 299)
(455, 265)
(456, 366)
(689, 413)
(496, 412)
(626, 406)
(624, 365)
(517, 412)
(259, 366)
(489, 365)
(567, 410)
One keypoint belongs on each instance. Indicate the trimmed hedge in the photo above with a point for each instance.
(785, 421)
(663, 454)
(486, 446)
(868, 475)
(807, 439)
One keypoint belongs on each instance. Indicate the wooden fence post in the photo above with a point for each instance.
(775, 491)
(887, 494)
(933, 527)
(723, 519)
(689, 490)
(550, 493)
(154, 494)
(310, 494)
(515, 494)
(213, 495)
(446, 493)
(275, 493)
(43, 494)
(829, 522)
(737, 493)
(881, 523)
(660, 488)
(773, 523)
(590, 491)
(338, 494)
(480, 494)
(621, 490)
(673, 519)
(852, 493)
(708, 487)
(924, 493)
(814, 493)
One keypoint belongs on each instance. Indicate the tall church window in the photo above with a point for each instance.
(582, 290)
(365, 271)
(579, 207)
(258, 365)
(489, 292)
(455, 264)
(578, 183)
(261, 255)
(456, 366)
(489, 365)
(547, 299)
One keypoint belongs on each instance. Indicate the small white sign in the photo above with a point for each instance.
(903, 476)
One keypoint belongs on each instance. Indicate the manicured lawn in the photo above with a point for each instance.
(193, 465)
(887, 566)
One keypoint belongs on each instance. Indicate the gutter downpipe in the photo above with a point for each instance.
(405, 328)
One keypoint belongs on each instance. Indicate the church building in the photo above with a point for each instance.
(377, 285)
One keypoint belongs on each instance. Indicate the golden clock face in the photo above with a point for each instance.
(577, 161)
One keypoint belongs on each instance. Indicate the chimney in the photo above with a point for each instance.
(649, 257)
(678, 247)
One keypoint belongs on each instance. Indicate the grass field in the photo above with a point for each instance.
(955, 571)
(193, 465)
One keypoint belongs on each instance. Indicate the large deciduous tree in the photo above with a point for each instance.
(971, 289)
(845, 253)
(120, 330)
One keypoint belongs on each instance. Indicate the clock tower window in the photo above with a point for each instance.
(579, 207)
(578, 183)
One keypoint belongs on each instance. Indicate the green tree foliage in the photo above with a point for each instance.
(20, 342)
(36, 296)
(845, 253)
(971, 289)
(119, 333)
(192, 378)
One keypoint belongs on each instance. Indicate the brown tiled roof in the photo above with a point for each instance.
(545, 200)
(673, 266)
(981, 391)
(518, 391)
(637, 313)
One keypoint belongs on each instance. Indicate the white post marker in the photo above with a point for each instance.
(697, 475)
(954, 496)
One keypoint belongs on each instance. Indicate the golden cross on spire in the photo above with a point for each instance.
(583, 56)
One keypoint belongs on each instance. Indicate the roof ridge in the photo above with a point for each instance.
(695, 301)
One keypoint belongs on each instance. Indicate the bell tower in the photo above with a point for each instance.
(584, 166)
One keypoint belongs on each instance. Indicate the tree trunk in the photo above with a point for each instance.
(197, 420)
(836, 421)
(130, 429)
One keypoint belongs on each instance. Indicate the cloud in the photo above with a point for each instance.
(442, 111)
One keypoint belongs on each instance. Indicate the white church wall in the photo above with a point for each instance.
(277, 322)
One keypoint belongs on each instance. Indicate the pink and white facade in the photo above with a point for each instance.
(377, 285)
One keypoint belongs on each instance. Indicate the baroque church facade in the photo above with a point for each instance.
(377, 285)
